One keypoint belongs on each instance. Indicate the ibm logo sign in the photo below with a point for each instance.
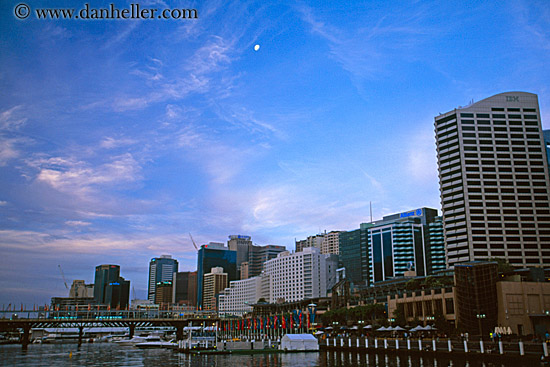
(512, 99)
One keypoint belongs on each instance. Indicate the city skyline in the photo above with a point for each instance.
(118, 138)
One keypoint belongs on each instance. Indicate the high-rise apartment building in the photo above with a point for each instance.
(331, 243)
(310, 241)
(161, 269)
(213, 255)
(214, 283)
(494, 181)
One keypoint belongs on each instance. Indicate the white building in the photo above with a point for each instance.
(289, 277)
(242, 294)
(297, 276)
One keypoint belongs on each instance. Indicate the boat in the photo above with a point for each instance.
(131, 341)
(154, 341)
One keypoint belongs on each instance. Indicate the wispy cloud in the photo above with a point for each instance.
(77, 177)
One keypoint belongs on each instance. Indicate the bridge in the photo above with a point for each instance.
(17, 322)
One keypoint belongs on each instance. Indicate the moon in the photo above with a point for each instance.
(256, 48)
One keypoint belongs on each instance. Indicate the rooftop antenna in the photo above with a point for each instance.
(370, 204)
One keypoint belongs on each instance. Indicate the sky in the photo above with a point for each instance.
(118, 138)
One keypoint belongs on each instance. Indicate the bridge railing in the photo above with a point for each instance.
(107, 314)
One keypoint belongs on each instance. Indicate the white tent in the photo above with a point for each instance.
(299, 342)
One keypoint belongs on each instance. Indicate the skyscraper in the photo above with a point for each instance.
(110, 288)
(354, 254)
(161, 269)
(210, 256)
(214, 283)
(104, 274)
(494, 182)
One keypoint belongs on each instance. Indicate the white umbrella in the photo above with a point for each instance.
(318, 333)
(398, 328)
(367, 327)
(389, 328)
(382, 329)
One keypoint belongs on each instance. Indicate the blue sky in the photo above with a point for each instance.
(120, 137)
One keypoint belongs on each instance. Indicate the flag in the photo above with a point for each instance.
(283, 319)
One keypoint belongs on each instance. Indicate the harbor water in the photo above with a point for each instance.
(109, 354)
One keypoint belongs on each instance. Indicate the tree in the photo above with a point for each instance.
(503, 265)
(399, 314)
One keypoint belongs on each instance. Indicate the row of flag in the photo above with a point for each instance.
(296, 319)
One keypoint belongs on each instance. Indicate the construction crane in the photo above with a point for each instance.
(194, 244)
(63, 275)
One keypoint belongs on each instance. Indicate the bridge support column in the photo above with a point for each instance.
(179, 332)
(131, 330)
(25, 337)
(80, 334)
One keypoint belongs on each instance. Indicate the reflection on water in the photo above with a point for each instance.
(113, 355)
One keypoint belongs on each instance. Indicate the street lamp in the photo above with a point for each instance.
(479, 317)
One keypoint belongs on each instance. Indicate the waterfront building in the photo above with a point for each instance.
(494, 181)
(354, 254)
(213, 255)
(476, 296)
(214, 283)
(161, 269)
(290, 277)
(297, 276)
(239, 297)
(331, 243)
(405, 241)
(422, 305)
(524, 303)
(79, 289)
(184, 290)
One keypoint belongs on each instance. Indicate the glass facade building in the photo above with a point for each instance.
(354, 254)
(406, 241)
(161, 269)
(211, 256)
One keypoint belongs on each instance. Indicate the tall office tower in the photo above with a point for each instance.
(330, 244)
(406, 241)
(310, 241)
(184, 290)
(214, 255)
(161, 269)
(241, 244)
(494, 182)
(354, 254)
(214, 283)
(258, 255)
(104, 274)
(546, 134)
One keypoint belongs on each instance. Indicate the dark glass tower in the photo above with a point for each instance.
(211, 256)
